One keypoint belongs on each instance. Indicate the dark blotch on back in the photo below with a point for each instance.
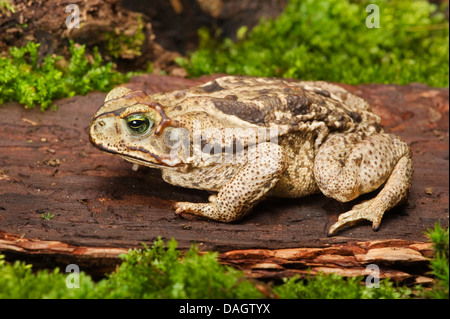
(231, 97)
(356, 117)
(298, 104)
(245, 111)
(180, 94)
(323, 92)
(213, 87)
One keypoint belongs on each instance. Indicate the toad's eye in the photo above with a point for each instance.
(139, 124)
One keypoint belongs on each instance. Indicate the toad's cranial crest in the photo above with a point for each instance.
(326, 140)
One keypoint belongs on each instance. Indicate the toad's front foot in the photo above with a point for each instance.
(200, 209)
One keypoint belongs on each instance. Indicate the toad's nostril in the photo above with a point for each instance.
(101, 123)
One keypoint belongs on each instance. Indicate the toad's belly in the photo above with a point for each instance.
(298, 178)
(295, 182)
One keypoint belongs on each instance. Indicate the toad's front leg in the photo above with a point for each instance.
(261, 169)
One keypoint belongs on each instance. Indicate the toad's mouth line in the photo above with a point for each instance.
(161, 162)
(141, 162)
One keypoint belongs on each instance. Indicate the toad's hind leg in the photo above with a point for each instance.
(348, 165)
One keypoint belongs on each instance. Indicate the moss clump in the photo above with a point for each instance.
(329, 40)
(24, 79)
(439, 264)
(128, 44)
(6, 6)
(336, 287)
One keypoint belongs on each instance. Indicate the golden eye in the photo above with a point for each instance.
(139, 124)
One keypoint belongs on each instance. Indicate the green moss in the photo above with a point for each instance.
(329, 40)
(336, 287)
(159, 272)
(47, 216)
(439, 264)
(24, 79)
(129, 44)
(5, 6)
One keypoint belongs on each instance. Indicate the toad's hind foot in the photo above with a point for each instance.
(366, 210)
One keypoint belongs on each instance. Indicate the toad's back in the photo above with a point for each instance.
(290, 106)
